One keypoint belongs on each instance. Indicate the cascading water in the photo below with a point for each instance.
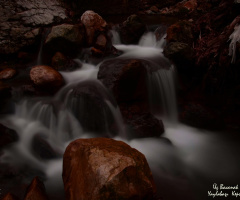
(184, 168)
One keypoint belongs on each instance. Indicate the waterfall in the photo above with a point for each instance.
(44, 36)
(162, 93)
(185, 160)
(234, 37)
(115, 37)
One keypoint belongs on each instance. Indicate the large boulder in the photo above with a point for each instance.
(93, 23)
(46, 77)
(101, 168)
(132, 29)
(20, 21)
(36, 190)
(66, 38)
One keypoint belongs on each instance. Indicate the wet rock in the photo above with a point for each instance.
(131, 30)
(66, 38)
(20, 22)
(145, 125)
(9, 196)
(93, 23)
(126, 78)
(7, 136)
(197, 115)
(7, 73)
(46, 77)
(42, 149)
(102, 168)
(36, 190)
(180, 32)
(60, 62)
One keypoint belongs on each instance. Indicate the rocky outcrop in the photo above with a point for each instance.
(7, 136)
(101, 168)
(20, 21)
(36, 190)
(132, 29)
(46, 77)
(7, 73)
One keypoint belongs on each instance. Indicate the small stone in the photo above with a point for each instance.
(7, 73)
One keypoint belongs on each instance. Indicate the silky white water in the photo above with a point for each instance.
(185, 162)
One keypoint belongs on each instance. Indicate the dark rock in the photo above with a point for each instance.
(7, 136)
(60, 62)
(36, 190)
(42, 148)
(126, 78)
(7, 73)
(199, 116)
(145, 125)
(132, 29)
(180, 32)
(66, 38)
(181, 54)
(102, 168)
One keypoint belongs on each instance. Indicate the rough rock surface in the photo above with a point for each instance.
(101, 168)
(45, 76)
(36, 190)
(20, 21)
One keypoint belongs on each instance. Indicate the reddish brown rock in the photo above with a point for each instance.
(60, 62)
(93, 23)
(36, 190)
(101, 42)
(7, 73)
(101, 168)
(9, 196)
(154, 9)
(45, 76)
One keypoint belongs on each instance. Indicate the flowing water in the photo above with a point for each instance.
(185, 162)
